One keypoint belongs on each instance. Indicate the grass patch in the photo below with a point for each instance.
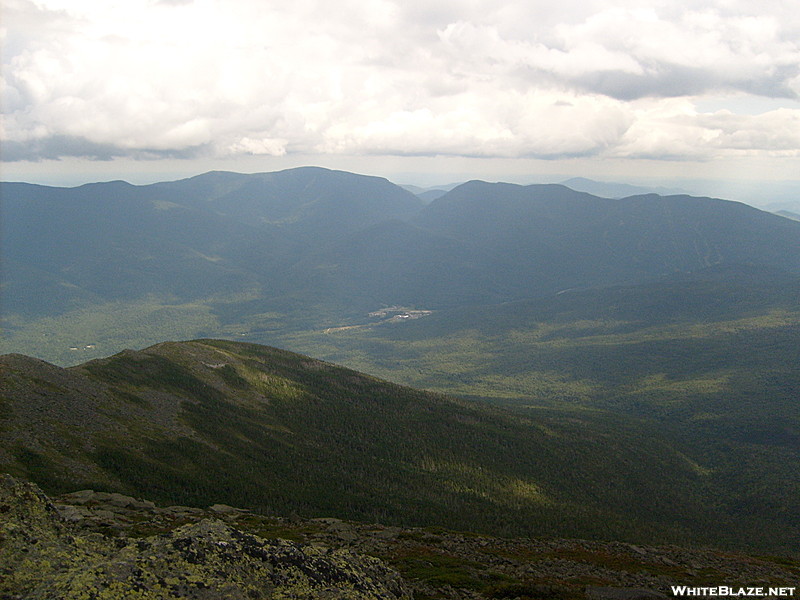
(438, 569)
(531, 591)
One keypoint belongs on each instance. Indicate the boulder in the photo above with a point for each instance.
(224, 509)
(79, 497)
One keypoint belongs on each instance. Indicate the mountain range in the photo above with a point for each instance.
(344, 241)
(630, 363)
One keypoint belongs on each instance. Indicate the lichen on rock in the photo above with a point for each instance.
(41, 556)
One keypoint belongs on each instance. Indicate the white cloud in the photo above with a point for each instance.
(455, 77)
(674, 129)
(268, 146)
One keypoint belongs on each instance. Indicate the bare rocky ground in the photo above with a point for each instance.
(45, 556)
(433, 563)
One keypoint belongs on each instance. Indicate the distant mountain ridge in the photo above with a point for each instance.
(189, 239)
(315, 247)
(617, 190)
(551, 237)
(295, 232)
(317, 198)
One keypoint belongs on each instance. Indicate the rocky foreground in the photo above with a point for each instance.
(43, 557)
(98, 545)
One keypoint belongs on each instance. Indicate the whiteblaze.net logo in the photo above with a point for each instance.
(733, 592)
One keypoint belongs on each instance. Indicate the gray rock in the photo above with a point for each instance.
(388, 533)
(106, 515)
(225, 509)
(120, 500)
(182, 510)
(73, 514)
(142, 505)
(101, 496)
(638, 550)
(343, 531)
(326, 520)
(79, 497)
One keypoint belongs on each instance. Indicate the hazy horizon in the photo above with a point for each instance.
(762, 194)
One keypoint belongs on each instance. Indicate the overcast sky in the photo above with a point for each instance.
(497, 89)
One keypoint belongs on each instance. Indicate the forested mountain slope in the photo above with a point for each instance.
(212, 421)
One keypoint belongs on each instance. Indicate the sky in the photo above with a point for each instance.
(424, 91)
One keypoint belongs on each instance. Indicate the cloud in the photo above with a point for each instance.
(628, 54)
(153, 78)
(267, 146)
(776, 132)
(545, 124)
(674, 130)
(59, 146)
